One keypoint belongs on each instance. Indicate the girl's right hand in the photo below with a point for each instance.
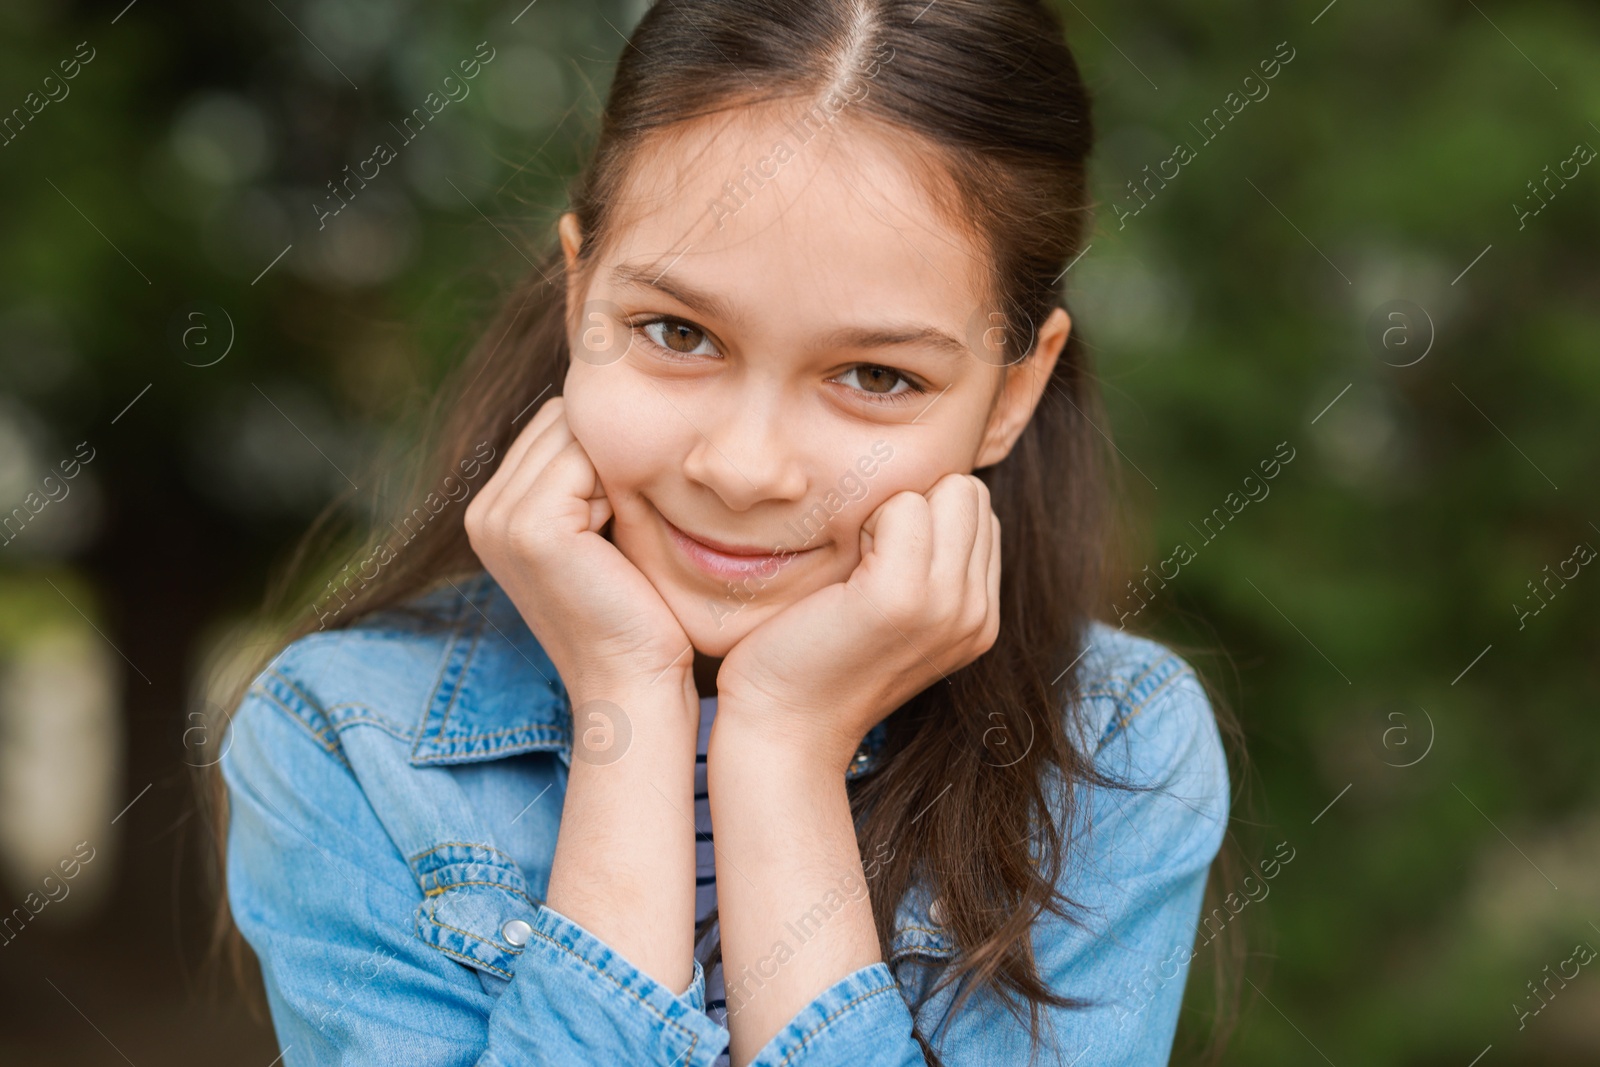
(535, 526)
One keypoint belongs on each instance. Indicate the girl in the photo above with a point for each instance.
(752, 710)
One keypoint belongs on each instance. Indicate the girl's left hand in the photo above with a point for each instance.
(923, 602)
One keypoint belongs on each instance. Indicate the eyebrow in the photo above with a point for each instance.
(701, 301)
(882, 336)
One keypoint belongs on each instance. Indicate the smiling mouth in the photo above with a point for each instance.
(728, 561)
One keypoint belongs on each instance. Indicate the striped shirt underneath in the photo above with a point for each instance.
(705, 870)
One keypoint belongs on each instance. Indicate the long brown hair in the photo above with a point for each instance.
(989, 97)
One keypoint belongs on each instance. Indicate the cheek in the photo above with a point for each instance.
(620, 430)
(913, 467)
(845, 496)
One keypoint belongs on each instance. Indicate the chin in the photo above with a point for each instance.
(715, 626)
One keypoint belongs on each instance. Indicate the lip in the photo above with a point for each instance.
(728, 561)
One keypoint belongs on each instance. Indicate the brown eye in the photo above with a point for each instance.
(681, 337)
(881, 385)
(878, 379)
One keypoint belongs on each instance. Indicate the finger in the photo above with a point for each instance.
(953, 502)
(994, 564)
(494, 488)
(869, 526)
(563, 496)
(550, 412)
(978, 562)
(902, 540)
(520, 480)
(599, 511)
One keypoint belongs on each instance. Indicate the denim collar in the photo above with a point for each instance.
(498, 694)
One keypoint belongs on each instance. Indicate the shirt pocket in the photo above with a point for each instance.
(921, 946)
(476, 909)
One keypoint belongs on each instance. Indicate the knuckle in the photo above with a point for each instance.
(525, 539)
(902, 502)
(479, 527)
(526, 531)
(947, 486)
(975, 619)
(903, 607)
(988, 638)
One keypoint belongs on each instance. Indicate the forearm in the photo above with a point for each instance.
(624, 861)
(794, 912)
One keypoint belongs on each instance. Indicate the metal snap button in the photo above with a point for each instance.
(516, 932)
(936, 911)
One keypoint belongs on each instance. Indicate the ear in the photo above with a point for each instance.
(571, 241)
(1021, 387)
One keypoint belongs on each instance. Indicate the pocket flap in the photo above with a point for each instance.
(470, 894)
(915, 930)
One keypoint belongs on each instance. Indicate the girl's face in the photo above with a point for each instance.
(782, 334)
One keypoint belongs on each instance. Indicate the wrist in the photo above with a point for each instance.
(611, 716)
(775, 744)
(672, 688)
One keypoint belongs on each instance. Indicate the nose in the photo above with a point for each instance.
(745, 452)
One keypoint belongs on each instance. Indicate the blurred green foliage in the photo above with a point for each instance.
(1362, 613)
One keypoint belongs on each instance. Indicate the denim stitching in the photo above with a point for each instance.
(835, 1014)
(1155, 679)
(1127, 697)
(438, 890)
(556, 734)
(433, 694)
(469, 959)
(433, 918)
(924, 951)
(480, 867)
(466, 665)
(941, 949)
(374, 721)
(543, 734)
(312, 709)
(304, 720)
(455, 688)
(923, 929)
(332, 750)
(290, 682)
(458, 844)
(331, 708)
(1137, 680)
(694, 1039)
(325, 714)
(1165, 683)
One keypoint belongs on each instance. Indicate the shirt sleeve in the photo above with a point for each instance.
(327, 901)
(1139, 868)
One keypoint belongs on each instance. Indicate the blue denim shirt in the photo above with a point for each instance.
(394, 796)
